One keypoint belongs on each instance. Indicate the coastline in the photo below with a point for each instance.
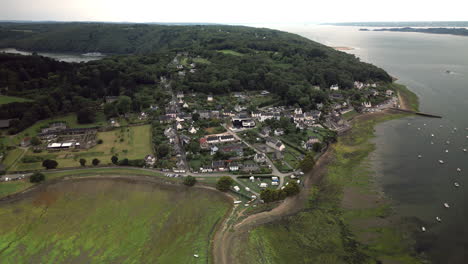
(345, 210)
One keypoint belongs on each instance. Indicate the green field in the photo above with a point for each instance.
(231, 52)
(7, 188)
(12, 157)
(11, 99)
(108, 221)
(132, 143)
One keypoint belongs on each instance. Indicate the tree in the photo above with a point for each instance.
(307, 164)
(196, 117)
(190, 181)
(35, 141)
(316, 147)
(162, 151)
(49, 164)
(37, 177)
(224, 183)
(193, 147)
(114, 159)
(86, 116)
(96, 162)
(124, 104)
(110, 110)
(83, 162)
(292, 188)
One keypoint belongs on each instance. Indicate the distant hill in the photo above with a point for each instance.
(450, 31)
(404, 24)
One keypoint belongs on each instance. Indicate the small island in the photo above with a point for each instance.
(440, 30)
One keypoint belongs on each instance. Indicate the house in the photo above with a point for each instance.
(5, 123)
(110, 99)
(239, 108)
(334, 87)
(169, 132)
(358, 85)
(250, 167)
(275, 144)
(180, 95)
(212, 139)
(389, 92)
(336, 96)
(279, 132)
(263, 185)
(26, 142)
(179, 126)
(298, 111)
(150, 160)
(193, 130)
(219, 165)
(185, 139)
(185, 105)
(316, 87)
(226, 138)
(248, 123)
(164, 119)
(209, 98)
(260, 158)
(233, 166)
(264, 92)
(309, 144)
(367, 104)
(319, 106)
(206, 169)
(265, 132)
(214, 149)
(374, 92)
(237, 148)
(204, 114)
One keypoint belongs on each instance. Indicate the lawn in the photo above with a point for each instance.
(11, 187)
(11, 99)
(12, 156)
(132, 143)
(108, 221)
(231, 52)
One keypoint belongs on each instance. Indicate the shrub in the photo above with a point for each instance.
(190, 181)
(49, 164)
(100, 141)
(96, 162)
(114, 159)
(37, 177)
(83, 162)
(224, 183)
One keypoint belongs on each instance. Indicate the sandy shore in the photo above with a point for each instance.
(343, 48)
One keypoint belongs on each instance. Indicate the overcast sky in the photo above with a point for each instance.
(238, 11)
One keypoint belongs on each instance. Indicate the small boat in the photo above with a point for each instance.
(441, 161)
(423, 229)
(419, 156)
(456, 184)
(464, 150)
(432, 135)
(438, 219)
(455, 128)
(441, 126)
(448, 71)
(446, 205)
(424, 124)
(432, 143)
(447, 142)
(409, 124)
(458, 169)
(446, 151)
(466, 136)
(419, 128)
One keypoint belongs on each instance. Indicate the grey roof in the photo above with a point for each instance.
(5, 123)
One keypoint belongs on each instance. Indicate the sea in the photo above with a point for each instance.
(62, 56)
(435, 67)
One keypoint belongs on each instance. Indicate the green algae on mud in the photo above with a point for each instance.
(110, 221)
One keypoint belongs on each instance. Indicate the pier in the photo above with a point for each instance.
(416, 113)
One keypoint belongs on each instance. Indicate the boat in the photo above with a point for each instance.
(424, 124)
(456, 184)
(432, 143)
(458, 169)
(446, 205)
(464, 150)
(447, 142)
(432, 135)
(419, 156)
(448, 71)
(409, 124)
(455, 128)
(438, 219)
(423, 229)
(441, 161)
(419, 128)
(446, 151)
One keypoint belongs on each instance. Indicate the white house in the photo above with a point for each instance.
(334, 87)
(298, 111)
(367, 104)
(233, 166)
(179, 126)
(279, 132)
(209, 98)
(259, 158)
(193, 130)
(263, 185)
(389, 92)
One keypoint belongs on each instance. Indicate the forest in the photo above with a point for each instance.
(227, 59)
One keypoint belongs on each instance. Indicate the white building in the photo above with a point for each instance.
(334, 87)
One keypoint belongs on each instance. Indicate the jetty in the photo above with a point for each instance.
(416, 113)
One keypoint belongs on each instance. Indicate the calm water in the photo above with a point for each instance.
(419, 187)
(66, 57)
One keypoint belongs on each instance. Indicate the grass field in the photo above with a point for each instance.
(107, 221)
(12, 157)
(324, 231)
(231, 52)
(11, 99)
(7, 188)
(132, 143)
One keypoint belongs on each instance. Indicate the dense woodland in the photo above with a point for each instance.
(258, 59)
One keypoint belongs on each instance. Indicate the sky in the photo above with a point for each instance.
(235, 12)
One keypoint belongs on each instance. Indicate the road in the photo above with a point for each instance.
(275, 171)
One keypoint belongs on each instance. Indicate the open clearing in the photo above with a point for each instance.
(128, 142)
(11, 99)
(110, 221)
